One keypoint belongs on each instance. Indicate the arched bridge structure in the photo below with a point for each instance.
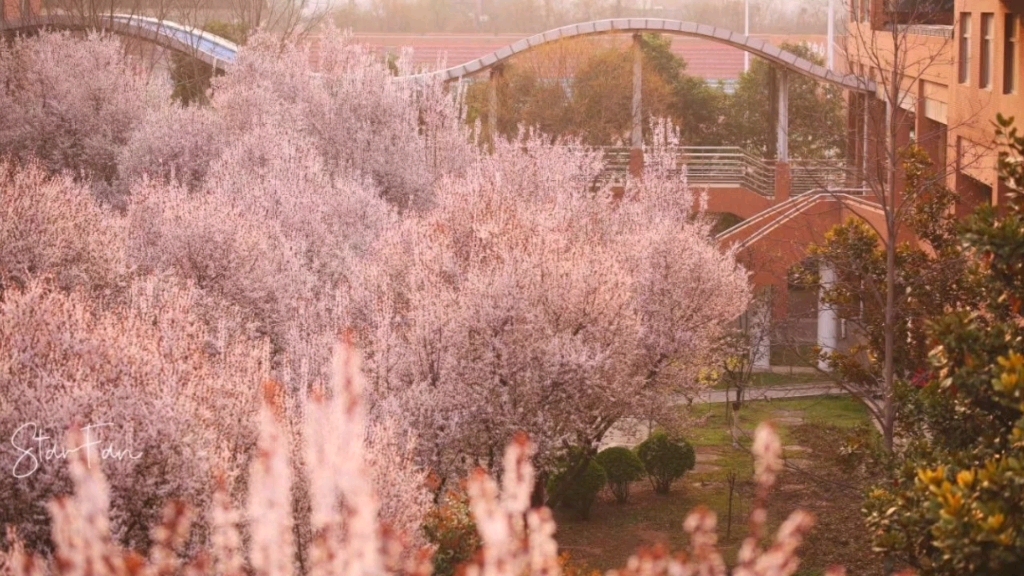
(221, 53)
(755, 46)
(218, 52)
(783, 64)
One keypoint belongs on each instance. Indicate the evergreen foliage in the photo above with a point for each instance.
(622, 467)
(955, 505)
(665, 460)
(580, 493)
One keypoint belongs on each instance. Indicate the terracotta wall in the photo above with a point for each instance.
(973, 108)
(13, 9)
(953, 119)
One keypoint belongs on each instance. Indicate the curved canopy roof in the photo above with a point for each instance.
(214, 50)
(754, 46)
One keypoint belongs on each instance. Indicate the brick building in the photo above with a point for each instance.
(962, 63)
(19, 9)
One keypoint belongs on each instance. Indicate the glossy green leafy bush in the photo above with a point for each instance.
(955, 502)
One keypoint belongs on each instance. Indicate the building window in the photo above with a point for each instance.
(1010, 55)
(988, 32)
(965, 47)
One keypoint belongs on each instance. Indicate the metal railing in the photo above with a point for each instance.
(731, 166)
(709, 166)
(728, 166)
(937, 30)
(808, 175)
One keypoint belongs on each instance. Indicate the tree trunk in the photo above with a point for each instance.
(888, 373)
(539, 494)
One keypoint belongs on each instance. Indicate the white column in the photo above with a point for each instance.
(782, 144)
(760, 335)
(827, 318)
(865, 125)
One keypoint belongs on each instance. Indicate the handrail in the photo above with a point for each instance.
(763, 215)
(734, 166)
(807, 175)
(792, 208)
(709, 166)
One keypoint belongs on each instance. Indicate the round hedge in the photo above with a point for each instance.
(665, 460)
(622, 466)
(580, 495)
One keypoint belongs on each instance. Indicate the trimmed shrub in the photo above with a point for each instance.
(622, 467)
(580, 495)
(665, 460)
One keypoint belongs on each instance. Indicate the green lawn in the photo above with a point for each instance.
(839, 411)
(818, 424)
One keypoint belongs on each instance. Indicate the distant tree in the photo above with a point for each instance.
(533, 16)
(817, 119)
(696, 108)
(288, 19)
(525, 100)
(191, 76)
(602, 93)
(877, 40)
(590, 96)
(743, 347)
(603, 89)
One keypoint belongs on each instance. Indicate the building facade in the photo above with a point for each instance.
(958, 63)
(19, 9)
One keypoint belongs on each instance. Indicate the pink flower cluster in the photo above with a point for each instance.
(348, 538)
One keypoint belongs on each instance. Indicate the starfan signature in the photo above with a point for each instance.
(35, 446)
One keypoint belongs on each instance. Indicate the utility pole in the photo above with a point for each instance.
(636, 136)
(746, 32)
(830, 51)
